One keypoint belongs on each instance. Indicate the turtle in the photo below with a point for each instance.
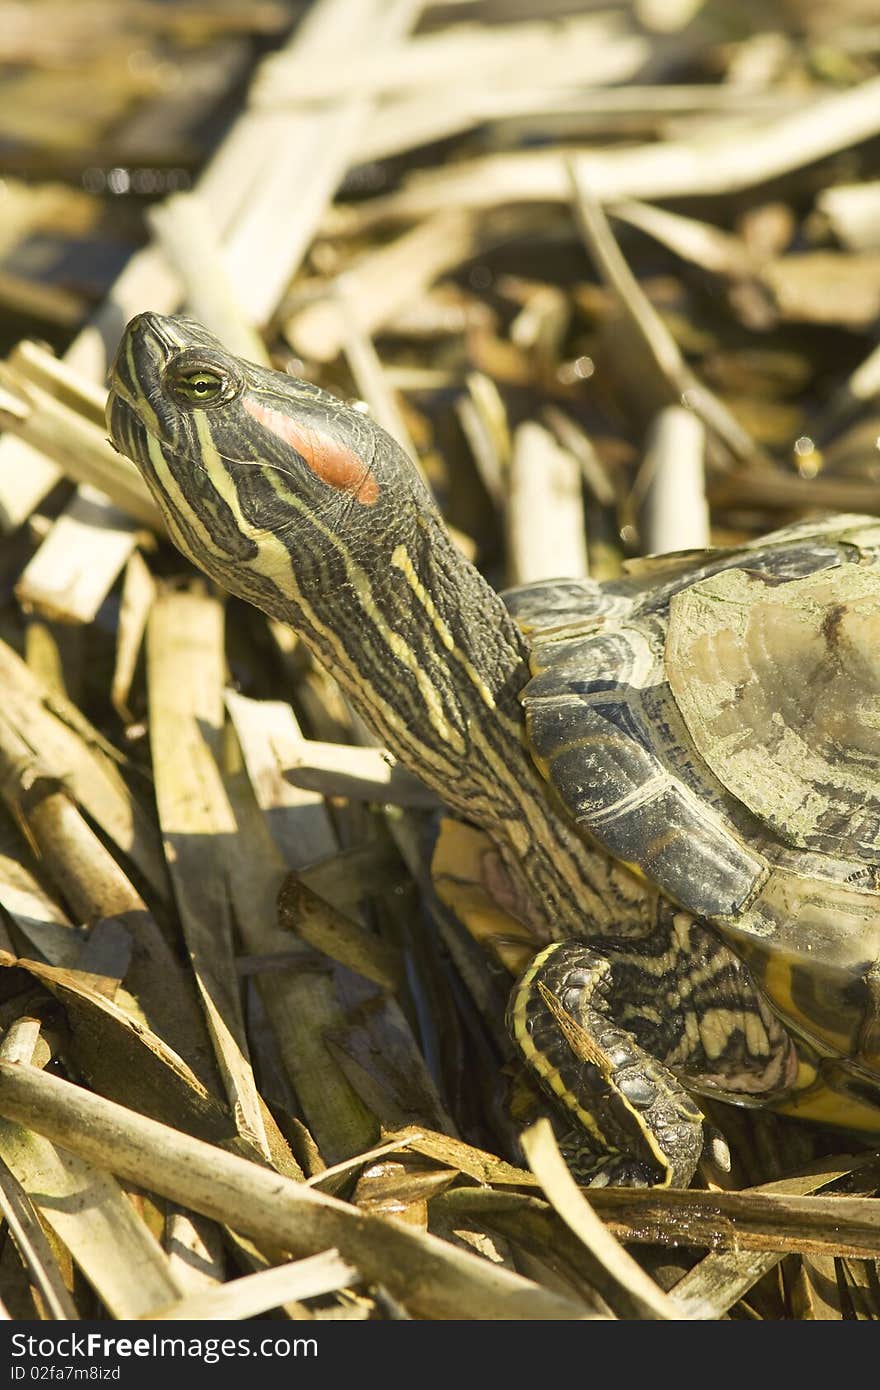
(677, 769)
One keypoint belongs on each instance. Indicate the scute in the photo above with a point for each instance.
(608, 765)
(779, 686)
(718, 729)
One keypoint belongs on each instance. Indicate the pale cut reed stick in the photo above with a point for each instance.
(381, 283)
(184, 229)
(80, 449)
(34, 1250)
(303, 1008)
(853, 212)
(186, 671)
(546, 537)
(722, 1277)
(87, 1211)
(552, 112)
(634, 1289)
(366, 774)
(253, 1294)
(582, 48)
(674, 512)
(433, 1278)
(195, 1248)
(305, 157)
(706, 165)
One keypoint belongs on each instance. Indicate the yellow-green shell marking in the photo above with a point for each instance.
(779, 686)
(717, 726)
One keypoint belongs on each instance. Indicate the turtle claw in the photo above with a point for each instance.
(593, 1170)
(715, 1149)
(640, 1126)
(623, 1172)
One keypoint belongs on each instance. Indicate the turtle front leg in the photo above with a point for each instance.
(636, 1125)
(617, 1027)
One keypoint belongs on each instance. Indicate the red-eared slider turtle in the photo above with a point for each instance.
(679, 769)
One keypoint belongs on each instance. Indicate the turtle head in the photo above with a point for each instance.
(303, 506)
(263, 479)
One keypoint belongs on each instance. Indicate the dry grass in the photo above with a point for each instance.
(248, 1065)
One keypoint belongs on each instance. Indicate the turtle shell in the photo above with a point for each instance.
(713, 720)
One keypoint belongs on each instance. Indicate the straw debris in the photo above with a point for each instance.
(612, 278)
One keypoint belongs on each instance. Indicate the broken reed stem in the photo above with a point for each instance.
(674, 512)
(546, 534)
(681, 386)
(78, 447)
(360, 774)
(188, 236)
(432, 1278)
(85, 872)
(707, 164)
(323, 927)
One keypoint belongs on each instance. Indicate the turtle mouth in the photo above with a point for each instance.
(137, 409)
(128, 433)
(118, 392)
(135, 377)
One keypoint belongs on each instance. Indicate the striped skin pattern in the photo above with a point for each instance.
(422, 644)
(305, 508)
(646, 1128)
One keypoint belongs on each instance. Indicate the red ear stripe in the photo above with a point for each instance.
(328, 460)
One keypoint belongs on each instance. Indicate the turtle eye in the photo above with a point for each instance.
(199, 386)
